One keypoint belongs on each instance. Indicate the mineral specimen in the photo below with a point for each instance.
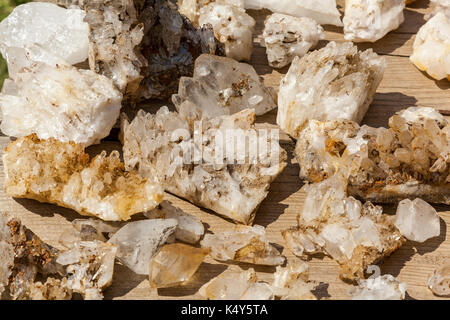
(335, 82)
(407, 160)
(191, 8)
(86, 230)
(61, 173)
(384, 287)
(189, 229)
(175, 264)
(292, 282)
(43, 32)
(189, 160)
(439, 281)
(232, 27)
(323, 11)
(439, 6)
(243, 244)
(137, 242)
(417, 220)
(430, 48)
(222, 86)
(286, 37)
(61, 102)
(371, 20)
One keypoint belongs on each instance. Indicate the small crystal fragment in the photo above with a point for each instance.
(286, 37)
(439, 281)
(335, 82)
(437, 6)
(62, 173)
(371, 20)
(292, 282)
(191, 8)
(175, 264)
(385, 287)
(243, 244)
(52, 289)
(86, 230)
(222, 86)
(137, 242)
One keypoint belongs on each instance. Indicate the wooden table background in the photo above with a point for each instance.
(402, 86)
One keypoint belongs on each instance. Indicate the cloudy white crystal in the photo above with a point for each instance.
(439, 281)
(385, 287)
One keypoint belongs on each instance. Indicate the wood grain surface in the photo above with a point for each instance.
(403, 86)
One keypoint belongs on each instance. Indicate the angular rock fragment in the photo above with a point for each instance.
(175, 264)
(430, 48)
(385, 287)
(371, 20)
(189, 159)
(222, 86)
(137, 242)
(323, 11)
(232, 27)
(43, 32)
(191, 8)
(417, 220)
(244, 244)
(52, 289)
(286, 37)
(62, 173)
(439, 281)
(437, 6)
(61, 102)
(335, 82)
(410, 159)
(189, 229)
(86, 230)
(292, 282)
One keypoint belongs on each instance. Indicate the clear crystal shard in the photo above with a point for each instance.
(292, 282)
(439, 281)
(385, 287)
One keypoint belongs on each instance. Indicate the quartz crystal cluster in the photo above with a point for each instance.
(292, 282)
(430, 48)
(189, 159)
(222, 86)
(191, 8)
(439, 281)
(335, 82)
(384, 287)
(410, 159)
(286, 37)
(371, 20)
(62, 173)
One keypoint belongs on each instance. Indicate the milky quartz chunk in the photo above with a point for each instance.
(385, 287)
(292, 282)
(43, 32)
(175, 264)
(286, 37)
(371, 20)
(410, 159)
(323, 11)
(137, 242)
(222, 86)
(61, 102)
(243, 244)
(62, 173)
(437, 6)
(335, 82)
(430, 48)
(191, 8)
(417, 220)
(232, 27)
(439, 281)
(231, 183)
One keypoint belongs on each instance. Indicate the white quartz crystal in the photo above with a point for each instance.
(335, 82)
(232, 27)
(43, 32)
(222, 86)
(371, 20)
(385, 287)
(430, 48)
(417, 220)
(287, 36)
(439, 281)
(437, 6)
(61, 102)
(292, 282)
(137, 242)
(191, 8)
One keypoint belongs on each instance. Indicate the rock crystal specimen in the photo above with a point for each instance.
(385, 287)
(61, 173)
(243, 244)
(191, 8)
(175, 264)
(292, 282)
(323, 11)
(439, 281)
(410, 159)
(232, 27)
(188, 158)
(430, 48)
(371, 20)
(137, 242)
(222, 86)
(43, 32)
(437, 6)
(335, 82)
(286, 37)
